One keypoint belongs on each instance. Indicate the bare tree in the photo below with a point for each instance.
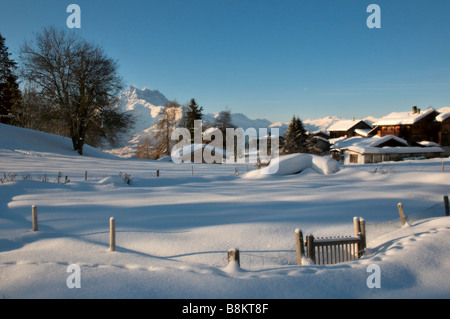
(78, 82)
(224, 120)
(166, 125)
(145, 149)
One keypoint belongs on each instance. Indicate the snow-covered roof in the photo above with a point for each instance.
(337, 139)
(371, 145)
(344, 125)
(428, 143)
(358, 141)
(396, 150)
(363, 132)
(320, 132)
(442, 117)
(403, 118)
(212, 130)
(322, 139)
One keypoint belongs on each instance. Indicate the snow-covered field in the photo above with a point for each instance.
(174, 231)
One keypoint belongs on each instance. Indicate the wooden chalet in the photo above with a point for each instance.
(348, 128)
(414, 126)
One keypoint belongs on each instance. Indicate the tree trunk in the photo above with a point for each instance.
(78, 144)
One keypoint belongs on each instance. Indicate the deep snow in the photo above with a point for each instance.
(173, 231)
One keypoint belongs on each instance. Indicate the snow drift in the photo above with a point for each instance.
(296, 163)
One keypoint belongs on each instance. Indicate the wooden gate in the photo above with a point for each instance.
(332, 250)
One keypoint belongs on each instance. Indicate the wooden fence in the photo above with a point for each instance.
(332, 250)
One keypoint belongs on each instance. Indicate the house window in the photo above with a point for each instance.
(353, 158)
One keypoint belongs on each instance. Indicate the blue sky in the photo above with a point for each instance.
(265, 58)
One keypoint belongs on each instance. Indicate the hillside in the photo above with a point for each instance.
(34, 143)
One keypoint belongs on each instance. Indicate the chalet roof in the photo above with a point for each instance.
(211, 130)
(403, 118)
(397, 150)
(322, 139)
(442, 117)
(320, 132)
(371, 145)
(375, 141)
(363, 132)
(345, 125)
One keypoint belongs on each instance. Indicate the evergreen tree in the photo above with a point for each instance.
(296, 137)
(193, 113)
(9, 88)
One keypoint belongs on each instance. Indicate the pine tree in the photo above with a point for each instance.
(193, 113)
(296, 137)
(9, 89)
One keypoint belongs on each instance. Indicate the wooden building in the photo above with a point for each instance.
(414, 126)
(444, 130)
(347, 128)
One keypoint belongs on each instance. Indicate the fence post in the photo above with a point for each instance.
(446, 205)
(299, 245)
(311, 251)
(362, 226)
(233, 256)
(192, 170)
(402, 214)
(34, 218)
(356, 225)
(112, 234)
(85, 175)
(157, 173)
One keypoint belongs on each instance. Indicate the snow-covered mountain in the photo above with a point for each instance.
(321, 124)
(145, 106)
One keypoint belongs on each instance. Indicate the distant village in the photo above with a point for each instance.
(415, 134)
